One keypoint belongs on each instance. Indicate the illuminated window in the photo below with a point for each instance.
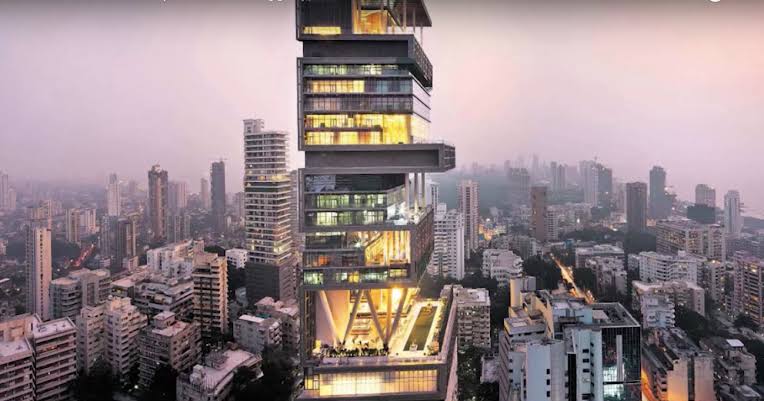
(321, 30)
(395, 129)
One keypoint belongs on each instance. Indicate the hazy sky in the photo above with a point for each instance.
(89, 88)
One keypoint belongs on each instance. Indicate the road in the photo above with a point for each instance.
(567, 275)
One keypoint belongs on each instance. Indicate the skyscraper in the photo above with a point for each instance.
(589, 175)
(733, 218)
(448, 254)
(558, 176)
(636, 207)
(39, 270)
(158, 188)
(113, 197)
(177, 196)
(267, 206)
(604, 186)
(217, 178)
(705, 195)
(204, 194)
(4, 191)
(468, 204)
(519, 187)
(363, 108)
(72, 226)
(539, 213)
(660, 203)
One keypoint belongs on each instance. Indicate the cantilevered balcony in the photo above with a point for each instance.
(434, 157)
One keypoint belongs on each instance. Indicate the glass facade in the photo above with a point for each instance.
(368, 383)
(368, 231)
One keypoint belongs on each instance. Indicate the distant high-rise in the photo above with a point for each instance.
(39, 270)
(660, 204)
(468, 204)
(158, 191)
(589, 176)
(204, 194)
(539, 213)
(705, 195)
(217, 178)
(113, 197)
(557, 171)
(268, 223)
(4, 191)
(177, 196)
(126, 239)
(448, 252)
(636, 206)
(604, 186)
(178, 227)
(519, 186)
(733, 217)
(72, 226)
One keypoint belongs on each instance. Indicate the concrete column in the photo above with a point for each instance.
(416, 192)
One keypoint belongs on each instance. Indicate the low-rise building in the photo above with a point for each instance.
(610, 274)
(733, 363)
(213, 380)
(37, 359)
(237, 258)
(682, 293)
(288, 314)
(584, 253)
(657, 267)
(704, 240)
(168, 342)
(501, 265)
(79, 288)
(255, 333)
(674, 368)
(473, 312)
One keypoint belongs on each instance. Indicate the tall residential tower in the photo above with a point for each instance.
(267, 220)
(158, 196)
(364, 120)
(217, 178)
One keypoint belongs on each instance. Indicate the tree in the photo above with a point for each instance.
(276, 384)
(237, 278)
(694, 324)
(745, 321)
(162, 387)
(547, 274)
(219, 250)
(468, 374)
(98, 385)
(636, 242)
(585, 279)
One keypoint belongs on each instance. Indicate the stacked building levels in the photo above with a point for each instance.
(122, 322)
(610, 274)
(582, 254)
(658, 301)
(675, 368)
(733, 364)
(154, 293)
(288, 314)
(364, 121)
(167, 342)
(748, 288)
(213, 380)
(473, 312)
(255, 333)
(468, 204)
(268, 222)
(210, 277)
(448, 254)
(501, 265)
(554, 347)
(705, 240)
(80, 288)
(37, 359)
(656, 267)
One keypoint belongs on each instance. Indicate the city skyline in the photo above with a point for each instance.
(640, 94)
